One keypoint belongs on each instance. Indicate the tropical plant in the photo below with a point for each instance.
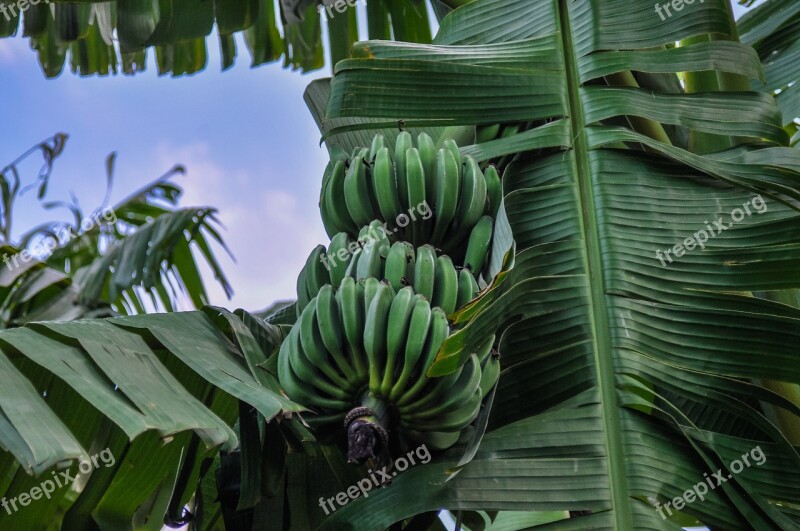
(104, 37)
(629, 374)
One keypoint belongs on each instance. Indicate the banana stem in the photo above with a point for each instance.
(367, 430)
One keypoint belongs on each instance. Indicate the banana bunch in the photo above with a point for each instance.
(433, 276)
(363, 351)
(424, 194)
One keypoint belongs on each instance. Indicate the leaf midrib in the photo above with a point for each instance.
(604, 366)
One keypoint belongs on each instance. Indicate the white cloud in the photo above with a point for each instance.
(269, 228)
(12, 50)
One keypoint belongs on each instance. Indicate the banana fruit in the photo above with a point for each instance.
(366, 345)
(424, 193)
(411, 227)
(431, 275)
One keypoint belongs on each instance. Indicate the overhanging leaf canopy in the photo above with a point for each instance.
(104, 37)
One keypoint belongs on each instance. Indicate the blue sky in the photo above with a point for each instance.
(250, 146)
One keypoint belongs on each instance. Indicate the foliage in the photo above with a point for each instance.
(624, 380)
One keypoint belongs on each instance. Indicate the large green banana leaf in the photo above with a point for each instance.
(772, 29)
(625, 379)
(104, 37)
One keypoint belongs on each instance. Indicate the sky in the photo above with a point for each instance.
(245, 136)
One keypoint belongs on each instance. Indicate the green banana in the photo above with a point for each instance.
(375, 332)
(371, 285)
(454, 421)
(398, 330)
(494, 189)
(327, 218)
(451, 146)
(415, 180)
(302, 292)
(416, 334)
(369, 263)
(352, 267)
(448, 186)
(335, 200)
(467, 288)
(435, 403)
(357, 193)
(420, 362)
(386, 186)
(396, 269)
(427, 154)
(296, 389)
(485, 349)
(445, 286)
(338, 258)
(404, 143)
(472, 202)
(351, 309)
(486, 133)
(314, 347)
(425, 271)
(436, 440)
(478, 246)
(308, 373)
(490, 373)
(378, 143)
(330, 328)
(318, 274)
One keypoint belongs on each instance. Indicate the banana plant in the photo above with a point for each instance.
(645, 257)
(106, 37)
